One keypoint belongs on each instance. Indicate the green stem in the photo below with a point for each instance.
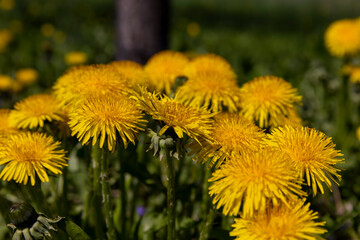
(123, 199)
(206, 229)
(106, 196)
(170, 186)
(205, 193)
(95, 157)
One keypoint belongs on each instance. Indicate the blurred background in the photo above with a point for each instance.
(258, 37)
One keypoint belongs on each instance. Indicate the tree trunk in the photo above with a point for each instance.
(141, 28)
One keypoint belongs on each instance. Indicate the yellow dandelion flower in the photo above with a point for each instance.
(267, 100)
(133, 71)
(251, 180)
(89, 81)
(196, 123)
(7, 4)
(26, 76)
(164, 67)
(231, 133)
(358, 133)
(292, 118)
(5, 127)
(282, 222)
(106, 117)
(33, 111)
(342, 37)
(16, 87)
(311, 152)
(5, 39)
(5, 82)
(30, 154)
(211, 83)
(47, 29)
(355, 73)
(75, 58)
(193, 29)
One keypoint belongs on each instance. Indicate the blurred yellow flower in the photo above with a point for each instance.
(163, 68)
(16, 87)
(194, 122)
(33, 111)
(7, 4)
(28, 155)
(47, 29)
(75, 58)
(5, 39)
(26, 76)
(5, 127)
(292, 118)
(5, 82)
(16, 26)
(283, 222)
(358, 133)
(89, 81)
(104, 118)
(231, 133)
(354, 75)
(268, 100)
(211, 83)
(342, 37)
(311, 152)
(193, 29)
(132, 71)
(59, 37)
(252, 180)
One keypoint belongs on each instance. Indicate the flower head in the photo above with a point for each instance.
(5, 82)
(164, 67)
(282, 222)
(33, 111)
(231, 133)
(75, 58)
(268, 100)
(211, 83)
(196, 123)
(354, 73)
(26, 76)
(29, 154)
(90, 81)
(5, 39)
(311, 152)
(28, 224)
(5, 127)
(342, 37)
(132, 71)
(253, 179)
(105, 118)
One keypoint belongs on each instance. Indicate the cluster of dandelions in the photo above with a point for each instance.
(251, 137)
